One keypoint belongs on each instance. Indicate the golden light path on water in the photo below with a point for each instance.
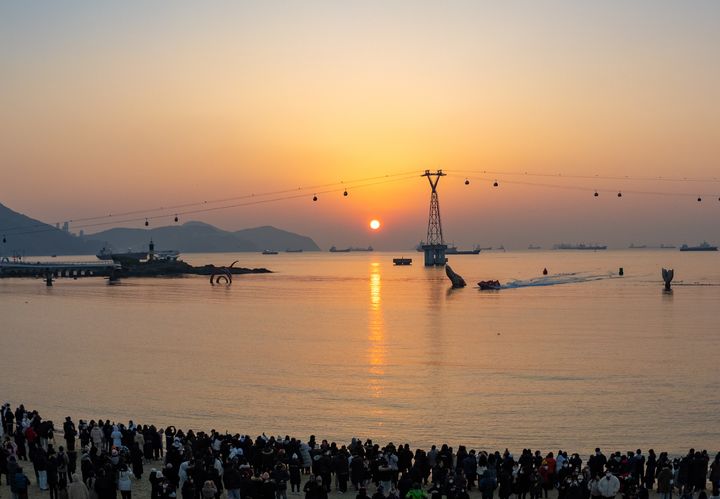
(377, 349)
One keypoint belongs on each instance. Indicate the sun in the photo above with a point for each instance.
(374, 224)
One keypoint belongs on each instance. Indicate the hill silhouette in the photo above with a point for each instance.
(30, 237)
(197, 237)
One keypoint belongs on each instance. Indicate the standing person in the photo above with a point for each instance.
(83, 433)
(40, 464)
(715, 472)
(19, 485)
(638, 467)
(124, 482)
(70, 433)
(341, 466)
(136, 456)
(116, 436)
(96, 434)
(280, 477)
(650, 470)
(20, 440)
(597, 463)
(488, 482)
(295, 472)
(609, 486)
(51, 474)
(209, 490)
(61, 458)
(157, 439)
(170, 432)
(8, 420)
(665, 482)
(550, 467)
(77, 489)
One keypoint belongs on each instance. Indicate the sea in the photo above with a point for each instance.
(348, 345)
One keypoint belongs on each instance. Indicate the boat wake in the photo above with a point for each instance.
(555, 279)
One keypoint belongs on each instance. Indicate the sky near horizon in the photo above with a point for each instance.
(116, 106)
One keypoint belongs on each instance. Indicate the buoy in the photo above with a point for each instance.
(495, 184)
(467, 182)
(345, 193)
(544, 271)
(621, 271)
(315, 197)
(619, 194)
(699, 199)
(176, 218)
(596, 194)
(146, 222)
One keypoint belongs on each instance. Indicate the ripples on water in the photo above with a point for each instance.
(347, 345)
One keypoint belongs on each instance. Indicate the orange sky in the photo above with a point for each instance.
(108, 108)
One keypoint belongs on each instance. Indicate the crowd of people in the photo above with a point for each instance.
(192, 465)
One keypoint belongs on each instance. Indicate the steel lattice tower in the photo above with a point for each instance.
(434, 229)
(434, 246)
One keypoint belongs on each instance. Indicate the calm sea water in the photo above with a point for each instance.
(343, 345)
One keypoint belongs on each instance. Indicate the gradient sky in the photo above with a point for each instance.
(113, 106)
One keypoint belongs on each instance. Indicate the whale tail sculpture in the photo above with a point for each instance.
(455, 278)
(667, 275)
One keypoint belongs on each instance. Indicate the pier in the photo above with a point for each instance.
(53, 270)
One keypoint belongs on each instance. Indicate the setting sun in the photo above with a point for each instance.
(374, 224)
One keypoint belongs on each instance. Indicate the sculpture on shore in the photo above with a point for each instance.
(455, 278)
(223, 274)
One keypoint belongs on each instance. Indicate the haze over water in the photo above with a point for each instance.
(347, 345)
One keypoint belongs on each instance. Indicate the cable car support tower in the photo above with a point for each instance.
(434, 247)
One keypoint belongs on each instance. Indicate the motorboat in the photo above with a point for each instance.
(489, 285)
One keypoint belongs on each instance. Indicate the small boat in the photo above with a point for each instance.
(489, 285)
(705, 246)
(293, 250)
(269, 252)
(402, 261)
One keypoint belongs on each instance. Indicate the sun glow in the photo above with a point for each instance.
(374, 224)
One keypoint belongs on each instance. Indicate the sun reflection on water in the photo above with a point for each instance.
(377, 348)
